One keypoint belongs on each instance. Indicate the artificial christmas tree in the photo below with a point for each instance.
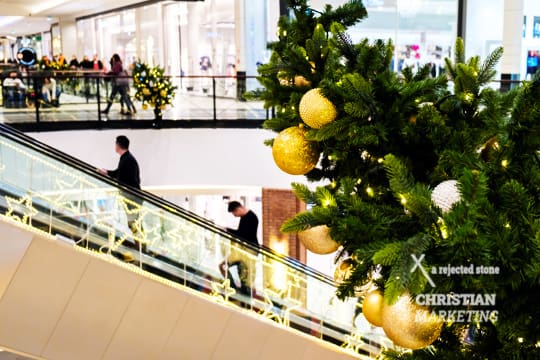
(467, 254)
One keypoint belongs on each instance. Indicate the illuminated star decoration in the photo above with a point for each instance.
(353, 341)
(287, 300)
(222, 291)
(290, 303)
(24, 206)
(268, 307)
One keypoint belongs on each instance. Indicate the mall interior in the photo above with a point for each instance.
(94, 269)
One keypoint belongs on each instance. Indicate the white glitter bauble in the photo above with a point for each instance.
(446, 195)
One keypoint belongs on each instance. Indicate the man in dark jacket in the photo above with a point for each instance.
(240, 258)
(247, 229)
(128, 173)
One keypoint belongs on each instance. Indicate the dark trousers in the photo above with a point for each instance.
(124, 97)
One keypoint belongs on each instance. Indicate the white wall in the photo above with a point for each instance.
(182, 157)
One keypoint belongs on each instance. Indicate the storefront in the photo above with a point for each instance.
(423, 31)
(189, 38)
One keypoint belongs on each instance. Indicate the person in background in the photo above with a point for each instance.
(61, 60)
(120, 86)
(249, 223)
(45, 63)
(15, 90)
(86, 63)
(128, 173)
(242, 258)
(50, 91)
(97, 65)
(74, 63)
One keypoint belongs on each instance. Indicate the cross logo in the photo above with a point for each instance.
(418, 265)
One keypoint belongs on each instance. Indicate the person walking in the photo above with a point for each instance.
(120, 82)
(128, 173)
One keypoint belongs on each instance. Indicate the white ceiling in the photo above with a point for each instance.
(22, 17)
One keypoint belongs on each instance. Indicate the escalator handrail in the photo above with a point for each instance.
(87, 169)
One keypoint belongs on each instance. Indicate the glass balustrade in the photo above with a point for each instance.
(83, 95)
(46, 190)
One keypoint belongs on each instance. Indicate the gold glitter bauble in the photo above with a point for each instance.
(343, 270)
(293, 153)
(317, 240)
(372, 307)
(409, 325)
(316, 110)
(301, 81)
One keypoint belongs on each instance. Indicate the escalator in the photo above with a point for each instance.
(78, 282)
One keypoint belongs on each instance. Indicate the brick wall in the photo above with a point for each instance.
(278, 206)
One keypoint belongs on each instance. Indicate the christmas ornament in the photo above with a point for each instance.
(372, 307)
(300, 81)
(293, 153)
(313, 67)
(283, 78)
(343, 270)
(317, 240)
(446, 195)
(316, 110)
(409, 325)
(487, 150)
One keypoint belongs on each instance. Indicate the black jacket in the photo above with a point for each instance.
(247, 229)
(127, 172)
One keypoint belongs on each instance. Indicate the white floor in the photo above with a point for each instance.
(187, 106)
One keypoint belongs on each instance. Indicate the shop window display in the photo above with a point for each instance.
(423, 31)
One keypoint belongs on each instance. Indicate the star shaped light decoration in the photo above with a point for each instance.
(23, 206)
(174, 242)
(268, 307)
(288, 302)
(353, 341)
(62, 201)
(222, 291)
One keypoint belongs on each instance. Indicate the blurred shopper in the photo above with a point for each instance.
(61, 61)
(97, 65)
(74, 63)
(14, 91)
(86, 63)
(50, 91)
(45, 63)
(120, 80)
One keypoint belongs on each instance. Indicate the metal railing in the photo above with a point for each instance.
(200, 101)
